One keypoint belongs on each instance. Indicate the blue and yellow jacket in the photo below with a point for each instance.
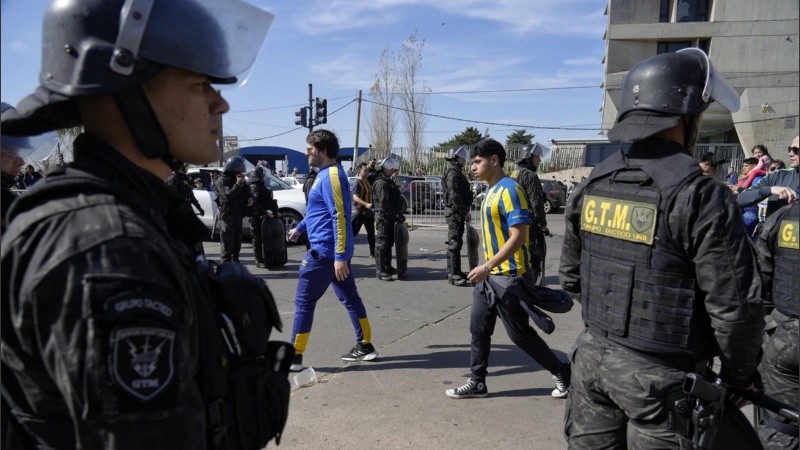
(327, 220)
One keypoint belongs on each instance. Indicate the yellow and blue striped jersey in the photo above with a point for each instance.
(328, 215)
(505, 206)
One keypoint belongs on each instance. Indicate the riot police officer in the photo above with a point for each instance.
(388, 203)
(661, 261)
(779, 259)
(528, 161)
(233, 195)
(457, 201)
(109, 327)
(180, 182)
(264, 205)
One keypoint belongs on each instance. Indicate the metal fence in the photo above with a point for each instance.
(426, 203)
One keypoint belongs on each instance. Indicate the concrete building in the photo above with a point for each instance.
(754, 44)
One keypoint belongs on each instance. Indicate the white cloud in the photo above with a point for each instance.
(583, 61)
(23, 48)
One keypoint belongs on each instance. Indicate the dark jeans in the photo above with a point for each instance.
(366, 218)
(515, 319)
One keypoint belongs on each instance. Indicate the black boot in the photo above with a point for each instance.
(456, 277)
(382, 265)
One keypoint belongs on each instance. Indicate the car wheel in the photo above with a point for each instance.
(290, 220)
(548, 207)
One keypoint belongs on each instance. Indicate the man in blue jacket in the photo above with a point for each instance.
(330, 235)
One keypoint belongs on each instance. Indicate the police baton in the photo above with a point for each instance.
(762, 400)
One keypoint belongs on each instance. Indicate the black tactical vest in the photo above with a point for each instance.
(638, 286)
(787, 263)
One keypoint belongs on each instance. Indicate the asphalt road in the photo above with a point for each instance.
(420, 326)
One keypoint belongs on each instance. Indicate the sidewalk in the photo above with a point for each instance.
(421, 329)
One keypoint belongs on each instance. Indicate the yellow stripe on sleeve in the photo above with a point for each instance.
(341, 219)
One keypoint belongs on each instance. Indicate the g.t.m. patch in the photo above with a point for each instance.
(619, 219)
(142, 360)
(788, 235)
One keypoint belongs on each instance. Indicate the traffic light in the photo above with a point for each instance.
(321, 115)
(301, 117)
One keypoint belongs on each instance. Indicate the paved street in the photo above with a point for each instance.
(420, 326)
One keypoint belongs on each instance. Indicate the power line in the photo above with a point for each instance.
(298, 128)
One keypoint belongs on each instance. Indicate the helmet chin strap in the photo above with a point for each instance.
(143, 123)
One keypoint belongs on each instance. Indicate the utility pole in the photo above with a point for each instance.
(304, 117)
(310, 108)
(358, 127)
(221, 141)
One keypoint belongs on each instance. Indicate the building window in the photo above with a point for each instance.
(691, 10)
(664, 12)
(703, 44)
(672, 46)
(597, 152)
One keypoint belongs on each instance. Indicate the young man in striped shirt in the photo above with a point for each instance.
(363, 213)
(504, 223)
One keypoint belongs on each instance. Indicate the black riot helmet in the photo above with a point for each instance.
(235, 164)
(659, 90)
(111, 47)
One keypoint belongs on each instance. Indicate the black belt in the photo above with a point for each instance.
(785, 428)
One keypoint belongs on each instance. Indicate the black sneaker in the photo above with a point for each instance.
(297, 363)
(473, 389)
(361, 352)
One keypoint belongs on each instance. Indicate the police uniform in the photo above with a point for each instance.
(529, 181)
(263, 202)
(668, 280)
(102, 313)
(388, 203)
(182, 184)
(457, 200)
(779, 257)
(233, 199)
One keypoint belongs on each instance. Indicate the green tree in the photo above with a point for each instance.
(519, 138)
(468, 137)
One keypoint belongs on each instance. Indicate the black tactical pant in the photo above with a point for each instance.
(230, 234)
(455, 230)
(258, 242)
(366, 218)
(384, 241)
(779, 371)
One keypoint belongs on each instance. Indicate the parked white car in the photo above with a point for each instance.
(291, 202)
(295, 183)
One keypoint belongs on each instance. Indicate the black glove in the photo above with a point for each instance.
(202, 213)
(401, 218)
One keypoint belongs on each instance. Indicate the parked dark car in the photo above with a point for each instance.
(418, 195)
(556, 194)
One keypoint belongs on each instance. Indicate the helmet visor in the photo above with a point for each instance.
(540, 150)
(222, 40)
(391, 162)
(716, 88)
(35, 148)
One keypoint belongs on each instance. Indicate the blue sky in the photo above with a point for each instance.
(471, 47)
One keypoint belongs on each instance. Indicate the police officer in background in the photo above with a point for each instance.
(264, 205)
(108, 334)
(388, 203)
(182, 184)
(779, 258)
(661, 261)
(527, 163)
(457, 201)
(233, 195)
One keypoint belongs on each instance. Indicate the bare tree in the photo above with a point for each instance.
(413, 93)
(61, 148)
(382, 121)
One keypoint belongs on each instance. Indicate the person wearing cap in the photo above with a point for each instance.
(234, 198)
(388, 203)
(328, 225)
(659, 256)
(527, 164)
(180, 182)
(457, 201)
(779, 259)
(110, 330)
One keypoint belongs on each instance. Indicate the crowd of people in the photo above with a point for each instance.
(117, 332)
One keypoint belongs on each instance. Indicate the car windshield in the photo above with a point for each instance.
(275, 183)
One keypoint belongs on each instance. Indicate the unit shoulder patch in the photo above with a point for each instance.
(788, 235)
(142, 360)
